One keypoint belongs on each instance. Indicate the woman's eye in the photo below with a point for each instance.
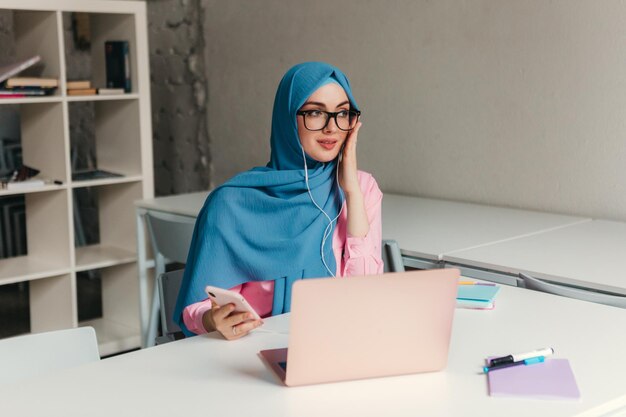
(343, 114)
(315, 113)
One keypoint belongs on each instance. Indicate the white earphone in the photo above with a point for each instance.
(329, 228)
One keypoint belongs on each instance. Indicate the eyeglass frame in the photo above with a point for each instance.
(329, 115)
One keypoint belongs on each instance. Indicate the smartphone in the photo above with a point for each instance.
(223, 297)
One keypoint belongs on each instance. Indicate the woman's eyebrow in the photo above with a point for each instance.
(317, 103)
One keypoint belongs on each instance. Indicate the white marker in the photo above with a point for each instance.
(521, 356)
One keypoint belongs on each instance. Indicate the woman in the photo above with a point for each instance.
(309, 213)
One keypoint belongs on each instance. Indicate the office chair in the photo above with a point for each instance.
(595, 297)
(37, 354)
(170, 236)
(392, 257)
(168, 284)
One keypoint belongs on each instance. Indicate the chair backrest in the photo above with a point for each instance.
(392, 257)
(169, 284)
(33, 355)
(579, 294)
(170, 235)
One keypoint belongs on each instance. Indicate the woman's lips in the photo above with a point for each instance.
(327, 144)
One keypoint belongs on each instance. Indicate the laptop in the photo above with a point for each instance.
(369, 326)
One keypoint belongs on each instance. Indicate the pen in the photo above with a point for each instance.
(529, 361)
(476, 283)
(521, 356)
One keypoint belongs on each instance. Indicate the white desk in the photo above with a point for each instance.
(209, 376)
(586, 254)
(182, 204)
(428, 229)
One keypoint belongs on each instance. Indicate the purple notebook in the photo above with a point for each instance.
(550, 380)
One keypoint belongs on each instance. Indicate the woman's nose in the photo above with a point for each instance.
(331, 126)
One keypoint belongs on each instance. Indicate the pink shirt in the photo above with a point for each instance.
(353, 255)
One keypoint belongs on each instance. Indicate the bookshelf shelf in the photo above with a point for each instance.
(123, 144)
(47, 187)
(130, 96)
(27, 100)
(102, 256)
(29, 268)
(107, 181)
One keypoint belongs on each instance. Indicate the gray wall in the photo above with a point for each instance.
(505, 102)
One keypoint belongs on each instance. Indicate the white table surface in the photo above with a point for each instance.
(182, 204)
(427, 228)
(206, 375)
(587, 254)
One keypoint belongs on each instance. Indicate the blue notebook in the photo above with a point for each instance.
(476, 296)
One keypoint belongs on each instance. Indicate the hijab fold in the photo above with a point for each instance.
(261, 224)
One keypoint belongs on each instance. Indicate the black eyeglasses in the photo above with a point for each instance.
(318, 119)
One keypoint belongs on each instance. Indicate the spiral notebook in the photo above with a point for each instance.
(550, 380)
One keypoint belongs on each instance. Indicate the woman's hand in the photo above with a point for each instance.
(358, 223)
(230, 325)
(348, 179)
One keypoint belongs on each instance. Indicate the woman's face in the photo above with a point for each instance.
(324, 145)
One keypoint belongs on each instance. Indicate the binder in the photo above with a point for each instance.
(117, 62)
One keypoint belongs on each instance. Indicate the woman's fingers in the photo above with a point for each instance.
(352, 136)
(235, 319)
(233, 325)
(243, 329)
(220, 313)
(349, 151)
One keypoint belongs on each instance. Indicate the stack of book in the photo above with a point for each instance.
(476, 295)
(84, 88)
(80, 88)
(12, 86)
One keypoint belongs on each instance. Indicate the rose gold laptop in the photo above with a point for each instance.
(364, 327)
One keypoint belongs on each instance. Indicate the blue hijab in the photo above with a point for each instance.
(261, 224)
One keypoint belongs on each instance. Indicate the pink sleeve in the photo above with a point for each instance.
(192, 314)
(362, 255)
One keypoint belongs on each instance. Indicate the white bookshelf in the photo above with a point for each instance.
(123, 137)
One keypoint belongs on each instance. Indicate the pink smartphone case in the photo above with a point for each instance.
(223, 297)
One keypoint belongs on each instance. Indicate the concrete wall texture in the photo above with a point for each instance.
(179, 96)
(492, 101)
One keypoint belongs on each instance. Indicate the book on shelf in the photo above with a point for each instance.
(31, 82)
(24, 185)
(78, 84)
(26, 91)
(117, 62)
(81, 92)
(8, 71)
(110, 91)
(12, 95)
